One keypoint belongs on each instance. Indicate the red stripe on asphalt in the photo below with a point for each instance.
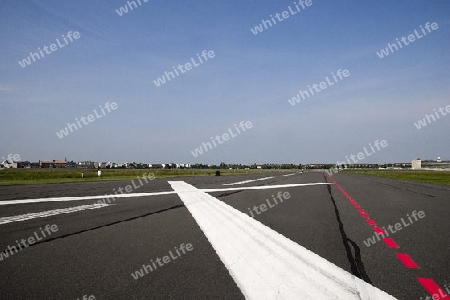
(379, 230)
(407, 260)
(427, 283)
(371, 222)
(391, 243)
(432, 287)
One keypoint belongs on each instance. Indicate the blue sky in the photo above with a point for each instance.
(250, 78)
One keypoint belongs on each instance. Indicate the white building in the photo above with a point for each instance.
(416, 164)
(7, 165)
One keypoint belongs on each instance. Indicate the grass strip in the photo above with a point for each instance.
(437, 177)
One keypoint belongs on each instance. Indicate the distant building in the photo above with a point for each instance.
(53, 164)
(435, 164)
(86, 164)
(35, 165)
(8, 165)
(71, 164)
(23, 164)
(416, 164)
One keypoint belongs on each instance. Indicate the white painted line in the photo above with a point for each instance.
(264, 187)
(264, 263)
(247, 181)
(48, 213)
(289, 174)
(63, 199)
(133, 195)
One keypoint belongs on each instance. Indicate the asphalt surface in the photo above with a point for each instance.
(95, 251)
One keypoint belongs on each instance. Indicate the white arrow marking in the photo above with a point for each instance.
(264, 263)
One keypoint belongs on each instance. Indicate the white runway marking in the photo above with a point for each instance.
(247, 181)
(264, 187)
(63, 199)
(133, 195)
(264, 263)
(48, 213)
(289, 174)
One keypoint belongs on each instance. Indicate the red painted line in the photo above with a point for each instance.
(371, 222)
(407, 261)
(391, 243)
(432, 287)
(429, 284)
(379, 230)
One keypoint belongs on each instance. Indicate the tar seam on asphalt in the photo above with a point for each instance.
(401, 188)
(101, 226)
(230, 193)
(277, 180)
(356, 264)
(391, 185)
(265, 183)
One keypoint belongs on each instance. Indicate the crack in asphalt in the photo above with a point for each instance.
(101, 226)
(356, 264)
(403, 188)
(230, 193)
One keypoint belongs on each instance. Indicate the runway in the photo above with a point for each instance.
(247, 239)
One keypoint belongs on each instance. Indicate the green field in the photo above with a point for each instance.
(39, 176)
(438, 177)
